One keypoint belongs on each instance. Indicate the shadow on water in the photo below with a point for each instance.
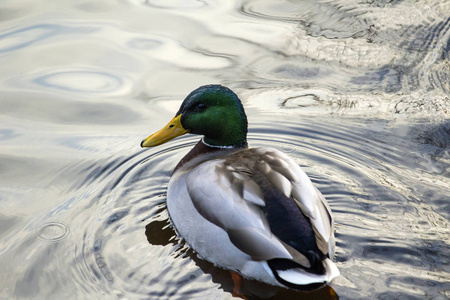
(160, 232)
(438, 135)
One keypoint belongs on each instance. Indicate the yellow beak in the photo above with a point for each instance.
(169, 132)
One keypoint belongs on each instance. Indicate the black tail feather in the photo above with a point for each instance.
(281, 264)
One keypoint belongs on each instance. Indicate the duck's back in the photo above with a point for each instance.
(254, 211)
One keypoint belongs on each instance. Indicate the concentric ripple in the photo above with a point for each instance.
(126, 246)
(53, 232)
(81, 81)
(357, 92)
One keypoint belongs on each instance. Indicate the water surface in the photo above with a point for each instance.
(356, 92)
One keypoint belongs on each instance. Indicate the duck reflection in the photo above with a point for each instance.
(160, 232)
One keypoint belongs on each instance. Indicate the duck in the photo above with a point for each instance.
(252, 211)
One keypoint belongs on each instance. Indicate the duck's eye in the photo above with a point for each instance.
(201, 106)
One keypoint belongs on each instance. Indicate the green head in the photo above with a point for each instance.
(214, 111)
(217, 113)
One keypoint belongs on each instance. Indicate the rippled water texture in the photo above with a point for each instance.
(356, 91)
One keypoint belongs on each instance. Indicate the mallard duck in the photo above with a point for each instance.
(253, 211)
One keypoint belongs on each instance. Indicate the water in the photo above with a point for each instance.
(356, 92)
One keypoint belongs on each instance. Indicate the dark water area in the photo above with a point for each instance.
(357, 92)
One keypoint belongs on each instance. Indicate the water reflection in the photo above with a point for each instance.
(357, 93)
(175, 4)
(27, 36)
(144, 44)
(52, 232)
(361, 39)
(6, 134)
(171, 51)
(81, 81)
(160, 232)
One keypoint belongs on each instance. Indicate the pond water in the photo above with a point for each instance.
(357, 92)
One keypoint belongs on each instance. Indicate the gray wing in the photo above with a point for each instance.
(208, 186)
(287, 176)
(225, 193)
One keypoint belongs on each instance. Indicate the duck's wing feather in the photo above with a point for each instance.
(237, 193)
(300, 188)
(208, 186)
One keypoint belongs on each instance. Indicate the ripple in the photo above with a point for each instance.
(53, 232)
(81, 81)
(27, 36)
(389, 195)
(318, 19)
(438, 135)
(30, 35)
(144, 43)
(397, 50)
(174, 4)
(7, 134)
(359, 171)
(172, 51)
